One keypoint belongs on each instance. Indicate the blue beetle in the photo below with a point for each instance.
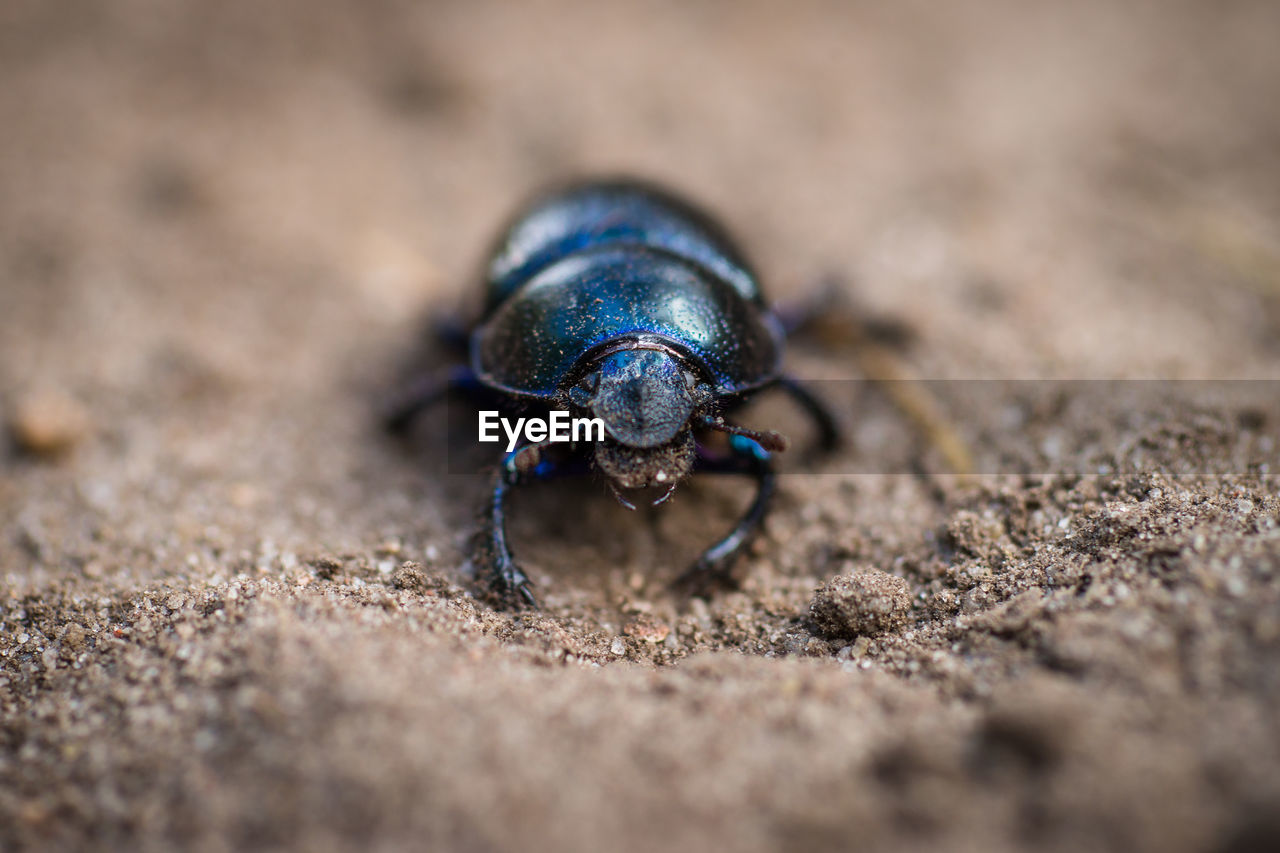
(618, 300)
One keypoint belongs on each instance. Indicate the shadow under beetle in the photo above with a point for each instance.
(617, 300)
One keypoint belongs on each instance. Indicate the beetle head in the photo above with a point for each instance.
(650, 404)
(646, 400)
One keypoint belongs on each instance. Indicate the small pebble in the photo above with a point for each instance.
(862, 604)
(410, 576)
(648, 630)
(48, 423)
(74, 637)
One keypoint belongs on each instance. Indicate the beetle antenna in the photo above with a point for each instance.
(766, 438)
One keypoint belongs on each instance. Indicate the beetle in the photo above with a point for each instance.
(619, 300)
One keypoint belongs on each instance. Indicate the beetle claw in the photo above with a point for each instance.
(617, 494)
(510, 581)
(661, 499)
(527, 594)
(706, 575)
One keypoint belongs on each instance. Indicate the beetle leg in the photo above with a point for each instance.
(833, 319)
(751, 459)
(507, 577)
(815, 408)
(425, 393)
(453, 333)
(828, 300)
(527, 464)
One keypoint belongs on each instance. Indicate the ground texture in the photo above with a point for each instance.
(233, 615)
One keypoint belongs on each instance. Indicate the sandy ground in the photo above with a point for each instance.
(235, 616)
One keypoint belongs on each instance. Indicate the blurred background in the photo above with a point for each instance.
(223, 227)
(1053, 189)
